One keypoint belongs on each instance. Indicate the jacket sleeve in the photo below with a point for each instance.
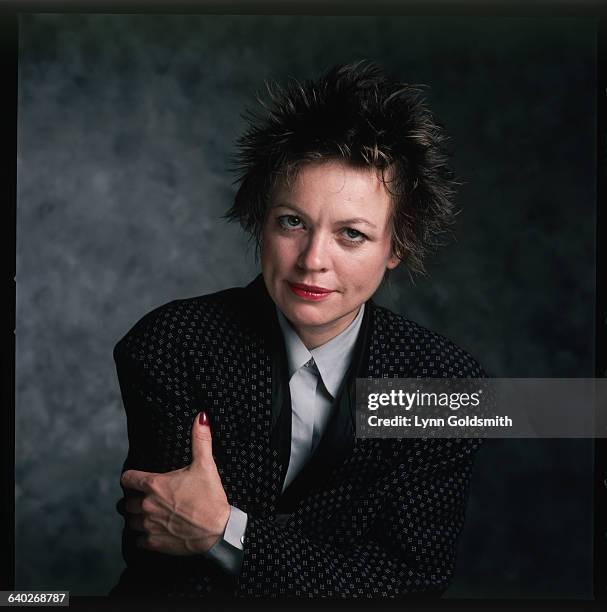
(152, 390)
(414, 516)
(141, 565)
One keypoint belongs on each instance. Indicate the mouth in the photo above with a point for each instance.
(309, 292)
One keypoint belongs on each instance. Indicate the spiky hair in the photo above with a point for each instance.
(358, 114)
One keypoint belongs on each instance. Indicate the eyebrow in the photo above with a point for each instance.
(352, 221)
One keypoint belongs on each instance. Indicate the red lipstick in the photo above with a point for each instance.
(309, 292)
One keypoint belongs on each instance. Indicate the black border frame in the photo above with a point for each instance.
(9, 43)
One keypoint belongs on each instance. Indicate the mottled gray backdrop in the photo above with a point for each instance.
(126, 125)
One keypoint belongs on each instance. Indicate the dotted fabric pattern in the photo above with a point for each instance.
(383, 523)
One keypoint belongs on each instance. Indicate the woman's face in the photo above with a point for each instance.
(326, 244)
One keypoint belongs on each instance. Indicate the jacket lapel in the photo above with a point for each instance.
(252, 464)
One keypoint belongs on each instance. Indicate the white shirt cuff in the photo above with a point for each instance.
(236, 527)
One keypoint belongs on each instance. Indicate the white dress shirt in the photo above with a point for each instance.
(315, 377)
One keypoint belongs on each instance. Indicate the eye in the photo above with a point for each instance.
(352, 235)
(289, 222)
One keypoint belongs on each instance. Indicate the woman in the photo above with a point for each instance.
(244, 477)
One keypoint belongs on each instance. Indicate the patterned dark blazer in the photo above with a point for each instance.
(365, 518)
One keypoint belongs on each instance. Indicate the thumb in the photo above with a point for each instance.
(202, 443)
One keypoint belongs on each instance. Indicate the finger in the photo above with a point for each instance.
(133, 505)
(120, 506)
(143, 541)
(202, 444)
(135, 522)
(150, 542)
(134, 479)
(158, 543)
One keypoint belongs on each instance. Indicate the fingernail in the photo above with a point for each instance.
(203, 419)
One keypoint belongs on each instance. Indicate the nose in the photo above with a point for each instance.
(314, 255)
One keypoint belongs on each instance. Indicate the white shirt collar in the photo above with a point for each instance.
(332, 358)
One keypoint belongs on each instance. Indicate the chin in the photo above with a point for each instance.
(300, 315)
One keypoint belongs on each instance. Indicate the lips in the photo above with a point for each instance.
(310, 288)
(309, 292)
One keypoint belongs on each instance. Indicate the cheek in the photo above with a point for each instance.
(275, 251)
(267, 242)
(367, 275)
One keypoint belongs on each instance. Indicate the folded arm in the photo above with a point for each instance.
(408, 548)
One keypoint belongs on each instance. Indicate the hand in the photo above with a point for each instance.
(183, 512)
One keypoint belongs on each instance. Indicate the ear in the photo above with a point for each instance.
(392, 262)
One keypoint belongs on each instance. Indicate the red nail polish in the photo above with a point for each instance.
(203, 419)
